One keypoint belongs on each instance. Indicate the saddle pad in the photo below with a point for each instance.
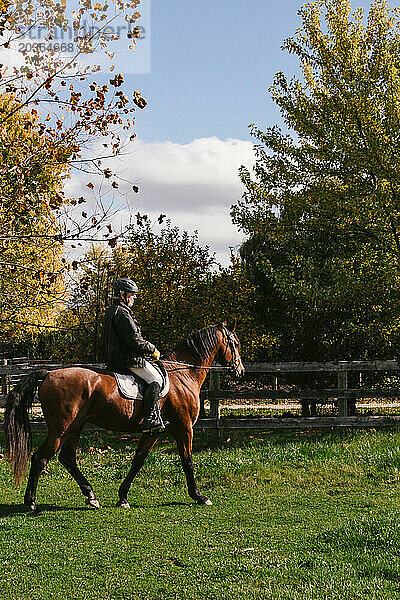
(130, 388)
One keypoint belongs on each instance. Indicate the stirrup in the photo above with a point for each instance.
(159, 427)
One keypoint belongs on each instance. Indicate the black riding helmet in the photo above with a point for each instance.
(125, 285)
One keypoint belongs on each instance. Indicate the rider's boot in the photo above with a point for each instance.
(152, 420)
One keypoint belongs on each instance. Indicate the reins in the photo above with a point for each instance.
(189, 366)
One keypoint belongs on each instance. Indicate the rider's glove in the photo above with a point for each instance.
(156, 354)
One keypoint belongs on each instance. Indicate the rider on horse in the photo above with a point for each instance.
(125, 349)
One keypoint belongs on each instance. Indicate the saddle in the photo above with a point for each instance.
(131, 386)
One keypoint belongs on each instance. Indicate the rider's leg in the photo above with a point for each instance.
(152, 420)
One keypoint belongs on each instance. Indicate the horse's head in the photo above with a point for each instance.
(228, 354)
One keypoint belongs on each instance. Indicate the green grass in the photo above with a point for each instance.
(297, 516)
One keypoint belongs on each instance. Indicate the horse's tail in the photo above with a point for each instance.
(16, 423)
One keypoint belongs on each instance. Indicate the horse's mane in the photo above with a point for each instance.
(201, 343)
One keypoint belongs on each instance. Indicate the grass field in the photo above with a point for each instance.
(295, 516)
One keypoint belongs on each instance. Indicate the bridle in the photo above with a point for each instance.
(231, 343)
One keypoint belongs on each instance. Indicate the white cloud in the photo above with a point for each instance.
(204, 161)
(194, 184)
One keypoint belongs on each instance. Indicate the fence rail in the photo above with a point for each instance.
(331, 367)
(309, 398)
(12, 370)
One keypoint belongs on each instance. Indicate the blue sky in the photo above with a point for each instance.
(212, 64)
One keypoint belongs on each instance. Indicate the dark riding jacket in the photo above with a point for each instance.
(124, 345)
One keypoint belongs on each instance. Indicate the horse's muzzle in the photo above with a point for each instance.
(238, 370)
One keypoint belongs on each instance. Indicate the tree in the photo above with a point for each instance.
(181, 290)
(53, 112)
(169, 267)
(322, 211)
(73, 107)
(31, 283)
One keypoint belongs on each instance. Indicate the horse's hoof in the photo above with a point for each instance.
(34, 512)
(93, 502)
(123, 504)
(204, 501)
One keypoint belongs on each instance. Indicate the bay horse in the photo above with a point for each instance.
(73, 396)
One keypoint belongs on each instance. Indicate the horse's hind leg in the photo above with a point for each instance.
(67, 458)
(144, 446)
(39, 460)
(184, 445)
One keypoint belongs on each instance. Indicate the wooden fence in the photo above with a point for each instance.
(309, 397)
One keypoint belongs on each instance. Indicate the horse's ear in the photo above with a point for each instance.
(232, 325)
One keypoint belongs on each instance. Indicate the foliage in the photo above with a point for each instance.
(73, 107)
(181, 290)
(322, 211)
(231, 293)
(31, 285)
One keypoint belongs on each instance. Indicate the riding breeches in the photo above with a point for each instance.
(148, 373)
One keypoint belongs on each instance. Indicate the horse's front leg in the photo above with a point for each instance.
(184, 445)
(143, 449)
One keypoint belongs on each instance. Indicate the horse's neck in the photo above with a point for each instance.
(199, 369)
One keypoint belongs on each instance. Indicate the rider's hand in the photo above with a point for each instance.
(156, 354)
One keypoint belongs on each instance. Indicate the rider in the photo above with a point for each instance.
(125, 348)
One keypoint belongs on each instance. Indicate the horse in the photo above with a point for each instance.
(73, 396)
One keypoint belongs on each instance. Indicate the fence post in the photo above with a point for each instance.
(203, 394)
(215, 385)
(4, 379)
(342, 385)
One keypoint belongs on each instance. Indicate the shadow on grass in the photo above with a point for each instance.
(13, 510)
(380, 573)
(211, 440)
(165, 504)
